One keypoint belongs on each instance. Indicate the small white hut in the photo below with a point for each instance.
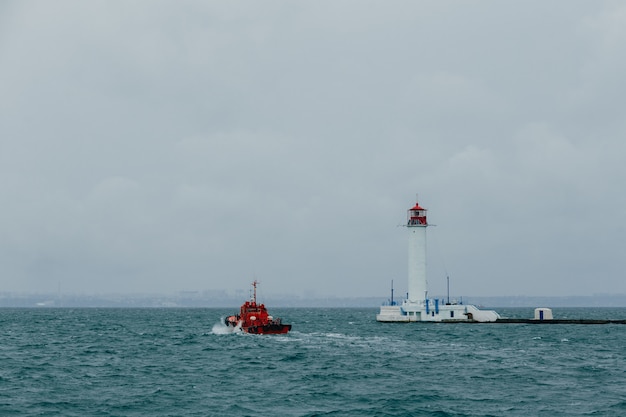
(543, 313)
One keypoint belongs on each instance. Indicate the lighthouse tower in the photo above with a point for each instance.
(416, 225)
(418, 307)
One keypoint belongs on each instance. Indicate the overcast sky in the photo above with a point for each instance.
(152, 146)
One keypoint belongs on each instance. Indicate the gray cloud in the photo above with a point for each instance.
(154, 146)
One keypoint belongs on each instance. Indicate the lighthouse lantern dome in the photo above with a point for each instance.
(416, 216)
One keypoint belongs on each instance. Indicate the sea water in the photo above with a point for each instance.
(339, 362)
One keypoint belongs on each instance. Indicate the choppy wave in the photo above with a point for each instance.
(334, 362)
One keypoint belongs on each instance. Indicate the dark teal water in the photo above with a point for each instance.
(339, 362)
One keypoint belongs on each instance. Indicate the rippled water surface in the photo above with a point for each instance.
(183, 362)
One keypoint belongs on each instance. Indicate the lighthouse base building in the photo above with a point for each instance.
(434, 312)
(417, 306)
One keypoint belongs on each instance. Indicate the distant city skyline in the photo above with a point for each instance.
(224, 299)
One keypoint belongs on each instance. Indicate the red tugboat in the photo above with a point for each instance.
(253, 318)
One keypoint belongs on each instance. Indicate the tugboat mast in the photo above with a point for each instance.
(254, 296)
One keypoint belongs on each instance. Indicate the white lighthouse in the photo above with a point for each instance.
(417, 224)
(417, 306)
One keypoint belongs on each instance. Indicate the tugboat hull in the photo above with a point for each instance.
(269, 329)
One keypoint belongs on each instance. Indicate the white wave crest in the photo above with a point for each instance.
(221, 328)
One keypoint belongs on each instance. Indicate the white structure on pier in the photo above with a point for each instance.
(417, 306)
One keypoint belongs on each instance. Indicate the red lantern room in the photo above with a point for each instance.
(416, 216)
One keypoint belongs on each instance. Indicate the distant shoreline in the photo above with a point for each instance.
(201, 300)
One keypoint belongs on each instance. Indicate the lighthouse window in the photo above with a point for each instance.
(452, 313)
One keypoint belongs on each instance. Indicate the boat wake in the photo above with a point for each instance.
(221, 328)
